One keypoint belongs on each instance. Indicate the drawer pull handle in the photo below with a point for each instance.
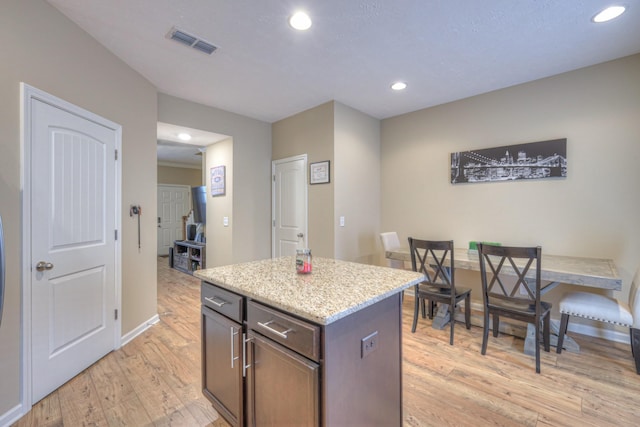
(270, 329)
(214, 302)
(245, 340)
(233, 350)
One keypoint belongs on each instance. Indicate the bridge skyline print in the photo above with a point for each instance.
(533, 160)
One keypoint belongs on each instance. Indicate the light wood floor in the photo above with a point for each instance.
(155, 379)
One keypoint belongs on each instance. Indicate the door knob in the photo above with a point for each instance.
(41, 266)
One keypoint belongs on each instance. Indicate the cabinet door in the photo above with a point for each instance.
(222, 365)
(282, 386)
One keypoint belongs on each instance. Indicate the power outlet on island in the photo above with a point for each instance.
(368, 344)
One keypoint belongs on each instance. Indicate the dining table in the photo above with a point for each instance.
(600, 273)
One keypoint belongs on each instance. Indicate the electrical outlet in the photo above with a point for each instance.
(368, 344)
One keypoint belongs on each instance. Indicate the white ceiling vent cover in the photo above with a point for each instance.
(192, 41)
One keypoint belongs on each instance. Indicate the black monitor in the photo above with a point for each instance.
(199, 200)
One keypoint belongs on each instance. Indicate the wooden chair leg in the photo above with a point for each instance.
(546, 332)
(496, 324)
(564, 322)
(537, 347)
(451, 322)
(430, 311)
(635, 347)
(485, 333)
(467, 311)
(415, 312)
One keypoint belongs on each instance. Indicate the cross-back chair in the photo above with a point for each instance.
(435, 260)
(520, 301)
(391, 241)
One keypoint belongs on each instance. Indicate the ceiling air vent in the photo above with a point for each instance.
(191, 41)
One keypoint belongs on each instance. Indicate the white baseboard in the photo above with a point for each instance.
(589, 330)
(138, 330)
(11, 416)
(592, 331)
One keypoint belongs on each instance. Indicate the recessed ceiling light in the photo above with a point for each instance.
(609, 13)
(399, 86)
(184, 136)
(300, 21)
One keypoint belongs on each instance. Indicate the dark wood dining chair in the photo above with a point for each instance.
(520, 301)
(435, 260)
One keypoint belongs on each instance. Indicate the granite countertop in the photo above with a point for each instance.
(332, 291)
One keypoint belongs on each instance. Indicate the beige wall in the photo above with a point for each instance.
(251, 199)
(311, 132)
(350, 140)
(179, 176)
(591, 213)
(357, 189)
(44, 49)
(219, 251)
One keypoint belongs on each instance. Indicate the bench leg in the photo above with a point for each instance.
(635, 347)
(564, 322)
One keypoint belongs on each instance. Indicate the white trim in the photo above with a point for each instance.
(594, 331)
(179, 165)
(588, 330)
(27, 95)
(273, 200)
(126, 338)
(11, 416)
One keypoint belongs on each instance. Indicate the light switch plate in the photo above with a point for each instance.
(341, 221)
(225, 221)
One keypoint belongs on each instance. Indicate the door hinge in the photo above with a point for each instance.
(116, 313)
(274, 222)
(116, 234)
(116, 154)
(274, 178)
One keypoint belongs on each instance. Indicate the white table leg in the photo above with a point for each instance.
(442, 317)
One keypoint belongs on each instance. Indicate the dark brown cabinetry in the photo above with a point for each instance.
(222, 350)
(188, 256)
(264, 367)
(282, 383)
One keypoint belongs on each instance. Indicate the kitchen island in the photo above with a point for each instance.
(281, 348)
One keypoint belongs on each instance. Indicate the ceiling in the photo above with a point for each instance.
(443, 49)
(174, 151)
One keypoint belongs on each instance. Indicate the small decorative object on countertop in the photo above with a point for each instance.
(303, 261)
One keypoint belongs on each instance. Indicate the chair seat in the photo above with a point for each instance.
(596, 307)
(433, 290)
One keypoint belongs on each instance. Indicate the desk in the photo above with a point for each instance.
(589, 272)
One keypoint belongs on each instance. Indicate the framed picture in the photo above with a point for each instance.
(319, 172)
(217, 181)
(532, 160)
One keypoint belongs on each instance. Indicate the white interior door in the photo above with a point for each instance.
(73, 249)
(289, 194)
(174, 202)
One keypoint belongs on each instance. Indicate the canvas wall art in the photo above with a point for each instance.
(533, 160)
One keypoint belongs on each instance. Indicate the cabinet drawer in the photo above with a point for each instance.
(222, 301)
(293, 333)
